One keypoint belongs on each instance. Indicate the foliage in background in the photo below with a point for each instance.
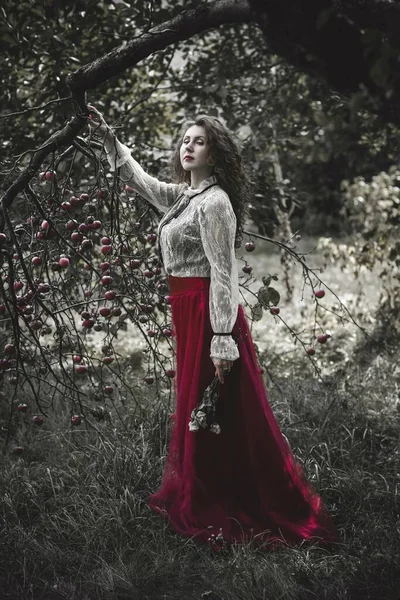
(372, 209)
(321, 137)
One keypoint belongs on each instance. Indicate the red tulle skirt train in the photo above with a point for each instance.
(244, 483)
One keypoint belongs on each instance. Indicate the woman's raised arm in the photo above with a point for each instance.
(160, 194)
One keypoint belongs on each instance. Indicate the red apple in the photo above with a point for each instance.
(148, 379)
(18, 285)
(76, 358)
(167, 332)
(105, 241)
(310, 351)
(105, 311)
(274, 310)
(106, 280)
(322, 338)
(110, 295)
(83, 228)
(36, 261)
(37, 419)
(9, 349)
(107, 360)
(88, 293)
(84, 198)
(75, 419)
(76, 236)
(105, 265)
(170, 373)
(88, 323)
(319, 293)
(247, 269)
(148, 273)
(66, 206)
(116, 311)
(106, 249)
(74, 201)
(151, 332)
(85, 245)
(249, 246)
(71, 224)
(22, 407)
(135, 263)
(50, 175)
(64, 262)
(43, 288)
(81, 369)
(151, 238)
(95, 225)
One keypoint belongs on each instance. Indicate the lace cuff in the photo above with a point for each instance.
(117, 153)
(224, 347)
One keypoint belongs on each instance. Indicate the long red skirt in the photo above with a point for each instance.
(244, 483)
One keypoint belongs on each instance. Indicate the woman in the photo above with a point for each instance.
(243, 483)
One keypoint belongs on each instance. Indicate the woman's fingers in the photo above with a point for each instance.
(219, 368)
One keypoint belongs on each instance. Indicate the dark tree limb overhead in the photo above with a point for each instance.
(182, 27)
(352, 44)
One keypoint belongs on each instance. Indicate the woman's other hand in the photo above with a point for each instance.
(220, 365)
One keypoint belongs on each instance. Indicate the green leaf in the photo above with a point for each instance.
(257, 312)
(267, 296)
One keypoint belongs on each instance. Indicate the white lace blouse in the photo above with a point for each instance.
(199, 242)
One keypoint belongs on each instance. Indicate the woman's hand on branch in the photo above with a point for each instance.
(98, 125)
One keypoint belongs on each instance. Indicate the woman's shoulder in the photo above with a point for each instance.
(216, 201)
(216, 195)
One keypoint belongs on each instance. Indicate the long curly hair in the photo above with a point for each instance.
(226, 157)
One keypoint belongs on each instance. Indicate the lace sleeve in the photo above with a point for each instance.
(160, 194)
(217, 230)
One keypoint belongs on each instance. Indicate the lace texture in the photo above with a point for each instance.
(199, 242)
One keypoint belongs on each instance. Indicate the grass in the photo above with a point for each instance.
(75, 525)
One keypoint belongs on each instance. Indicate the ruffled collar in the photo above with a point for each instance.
(205, 183)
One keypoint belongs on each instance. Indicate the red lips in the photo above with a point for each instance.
(188, 157)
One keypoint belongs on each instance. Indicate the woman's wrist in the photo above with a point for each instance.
(109, 140)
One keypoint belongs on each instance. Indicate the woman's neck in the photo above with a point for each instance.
(196, 178)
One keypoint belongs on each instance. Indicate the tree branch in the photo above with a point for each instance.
(181, 27)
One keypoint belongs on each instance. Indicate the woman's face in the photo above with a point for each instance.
(195, 150)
